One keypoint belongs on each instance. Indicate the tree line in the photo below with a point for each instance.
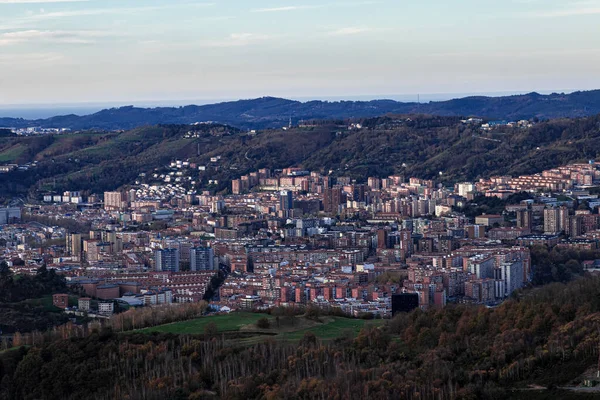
(546, 336)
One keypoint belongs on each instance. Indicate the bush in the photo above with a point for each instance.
(313, 313)
(263, 323)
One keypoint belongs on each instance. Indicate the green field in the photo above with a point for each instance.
(224, 323)
(289, 329)
(11, 154)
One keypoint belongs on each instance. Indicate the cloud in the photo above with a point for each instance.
(349, 31)
(33, 35)
(30, 18)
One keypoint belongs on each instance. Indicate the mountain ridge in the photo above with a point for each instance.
(274, 112)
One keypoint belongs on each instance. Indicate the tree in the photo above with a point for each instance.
(308, 340)
(263, 323)
(6, 282)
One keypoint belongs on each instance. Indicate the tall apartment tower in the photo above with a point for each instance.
(286, 200)
(374, 183)
(556, 220)
(525, 219)
(575, 227)
(332, 198)
(115, 200)
(167, 260)
(202, 259)
(382, 239)
(551, 220)
(73, 244)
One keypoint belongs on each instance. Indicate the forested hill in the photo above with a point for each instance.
(421, 146)
(270, 112)
(527, 347)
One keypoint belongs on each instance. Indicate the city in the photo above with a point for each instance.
(293, 237)
(299, 200)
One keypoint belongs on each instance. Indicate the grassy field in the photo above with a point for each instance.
(291, 330)
(224, 323)
(11, 154)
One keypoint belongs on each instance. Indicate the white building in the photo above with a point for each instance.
(465, 188)
(511, 274)
(106, 307)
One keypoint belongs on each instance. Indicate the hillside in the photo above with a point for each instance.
(269, 112)
(100, 161)
(420, 146)
(541, 339)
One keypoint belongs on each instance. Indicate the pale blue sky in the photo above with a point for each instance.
(138, 50)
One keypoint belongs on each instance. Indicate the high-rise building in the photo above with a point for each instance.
(405, 244)
(217, 206)
(10, 215)
(115, 200)
(374, 183)
(524, 219)
(358, 192)
(575, 226)
(167, 260)
(563, 218)
(382, 239)
(131, 195)
(236, 186)
(465, 188)
(551, 218)
(96, 250)
(511, 276)
(73, 244)
(264, 173)
(475, 231)
(286, 200)
(332, 198)
(202, 259)
(556, 219)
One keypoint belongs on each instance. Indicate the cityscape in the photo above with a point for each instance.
(299, 200)
(294, 237)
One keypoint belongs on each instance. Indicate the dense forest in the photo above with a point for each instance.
(18, 288)
(19, 314)
(545, 336)
(271, 112)
(442, 148)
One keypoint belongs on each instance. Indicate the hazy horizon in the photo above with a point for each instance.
(40, 111)
(129, 51)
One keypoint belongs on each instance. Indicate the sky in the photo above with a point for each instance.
(101, 51)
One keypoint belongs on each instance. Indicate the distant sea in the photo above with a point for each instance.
(41, 111)
(37, 112)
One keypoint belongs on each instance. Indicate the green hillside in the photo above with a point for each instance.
(420, 146)
(287, 329)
